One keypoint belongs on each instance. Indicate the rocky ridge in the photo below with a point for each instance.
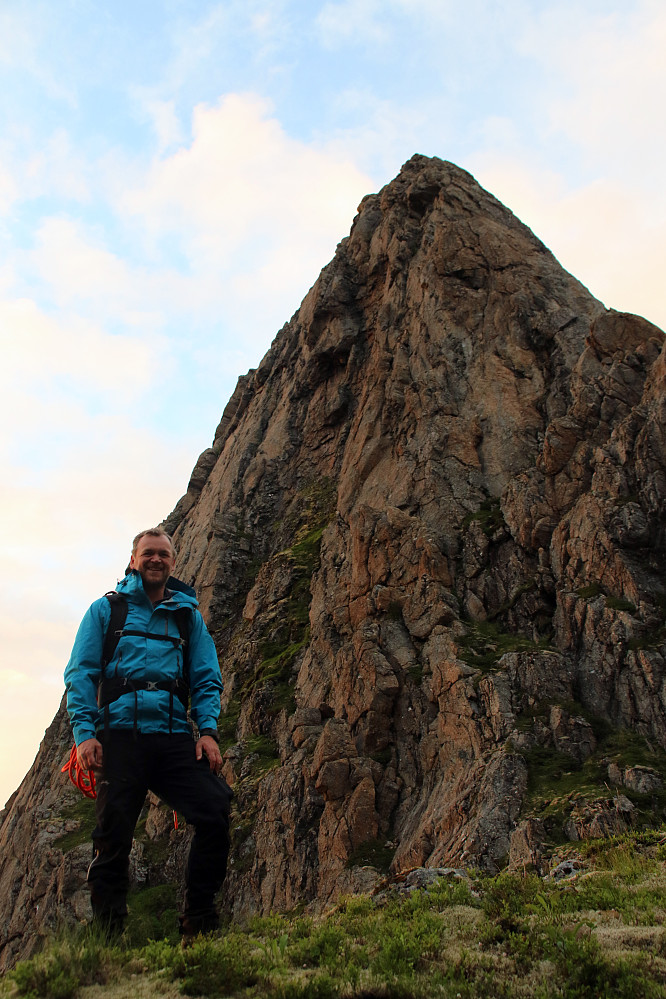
(429, 542)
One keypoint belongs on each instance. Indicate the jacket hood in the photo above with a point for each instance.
(176, 591)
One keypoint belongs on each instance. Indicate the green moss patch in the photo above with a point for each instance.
(152, 914)
(228, 723)
(265, 753)
(594, 590)
(83, 812)
(557, 781)
(484, 644)
(489, 516)
(291, 633)
(373, 853)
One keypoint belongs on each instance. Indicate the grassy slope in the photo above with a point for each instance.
(599, 933)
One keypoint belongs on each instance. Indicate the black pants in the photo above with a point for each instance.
(166, 765)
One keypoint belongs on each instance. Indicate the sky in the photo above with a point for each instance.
(173, 176)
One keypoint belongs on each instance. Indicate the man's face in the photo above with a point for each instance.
(153, 560)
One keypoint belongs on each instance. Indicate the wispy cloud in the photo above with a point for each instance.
(605, 82)
(25, 37)
(600, 205)
(249, 207)
(352, 21)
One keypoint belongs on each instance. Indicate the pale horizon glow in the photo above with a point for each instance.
(174, 176)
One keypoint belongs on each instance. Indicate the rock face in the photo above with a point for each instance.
(429, 542)
(39, 880)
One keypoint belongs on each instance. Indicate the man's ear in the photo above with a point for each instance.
(131, 564)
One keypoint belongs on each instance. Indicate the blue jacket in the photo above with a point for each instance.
(145, 659)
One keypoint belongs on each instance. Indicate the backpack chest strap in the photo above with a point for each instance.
(176, 640)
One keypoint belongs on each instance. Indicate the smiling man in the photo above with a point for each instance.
(142, 656)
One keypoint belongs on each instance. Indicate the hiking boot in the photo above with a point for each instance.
(192, 927)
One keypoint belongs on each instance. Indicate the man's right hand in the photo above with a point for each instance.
(89, 755)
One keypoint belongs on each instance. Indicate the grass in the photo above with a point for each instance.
(489, 516)
(485, 643)
(374, 853)
(83, 812)
(557, 782)
(228, 724)
(600, 933)
(594, 590)
(264, 753)
(286, 639)
(153, 914)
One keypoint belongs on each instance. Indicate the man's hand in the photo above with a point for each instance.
(89, 755)
(206, 744)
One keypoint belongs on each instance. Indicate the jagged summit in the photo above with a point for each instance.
(428, 540)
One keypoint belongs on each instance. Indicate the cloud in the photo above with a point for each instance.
(613, 89)
(8, 190)
(43, 168)
(80, 476)
(602, 232)
(165, 121)
(356, 21)
(26, 39)
(43, 354)
(248, 207)
(243, 174)
(58, 170)
(81, 465)
(73, 269)
(17, 30)
(598, 200)
(195, 41)
(76, 267)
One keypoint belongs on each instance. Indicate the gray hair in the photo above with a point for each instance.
(153, 532)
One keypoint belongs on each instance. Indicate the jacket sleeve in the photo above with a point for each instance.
(83, 670)
(205, 677)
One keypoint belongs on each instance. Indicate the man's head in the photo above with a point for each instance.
(153, 532)
(154, 558)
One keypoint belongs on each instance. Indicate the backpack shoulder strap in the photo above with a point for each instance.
(118, 617)
(183, 616)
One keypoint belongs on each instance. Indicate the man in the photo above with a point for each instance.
(130, 723)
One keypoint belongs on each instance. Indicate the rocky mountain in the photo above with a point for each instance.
(429, 542)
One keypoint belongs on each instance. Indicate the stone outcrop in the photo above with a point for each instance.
(429, 542)
(39, 879)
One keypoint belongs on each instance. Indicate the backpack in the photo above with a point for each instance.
(110, 688)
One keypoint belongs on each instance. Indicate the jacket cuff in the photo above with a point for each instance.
(82, 734)
(212, 732)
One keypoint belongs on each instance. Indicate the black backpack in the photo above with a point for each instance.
(110, 688)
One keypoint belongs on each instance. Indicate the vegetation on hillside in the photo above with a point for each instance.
(599, 932)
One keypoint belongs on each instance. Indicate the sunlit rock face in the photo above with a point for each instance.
(428, 539)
